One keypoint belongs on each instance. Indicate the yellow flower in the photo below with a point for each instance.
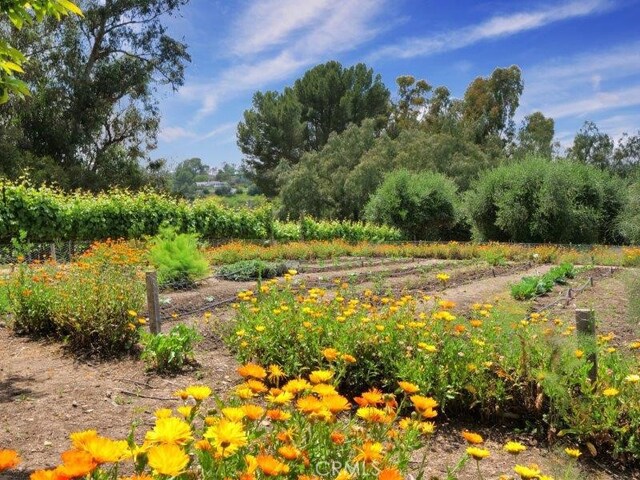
(477, 453)
(324, 389)
(185, 410)
(105, 450)
(132, 313)
(514, 447)
(573, 452)
(632, 378)
(610, 392)
(235, 414)
(253, 412)
(198, 392)
(578, 353)
(252, 370)
(275, 373)
(369, 453)
(296, 386)
(271, 466)
(169, 430)
(335, 403)
(79, 439)
(168, 459)
(532, 471)
(227, 436)
(373, 415)
(330, 354)
(422, 403)
(321, 376)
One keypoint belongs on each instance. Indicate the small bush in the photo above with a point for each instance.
(247, 270)
(172, 351)
(177, 258)
(422, 205)
(530, 287)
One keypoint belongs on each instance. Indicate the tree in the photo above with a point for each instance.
(423, 205)
(412, 101)
(489, 106)
(281, 127)
(591, 146)
(95, 80)
(626, 156)
(186, 175)
(536, 136)
(20, 13)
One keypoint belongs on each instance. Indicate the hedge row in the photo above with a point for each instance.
(47, 214)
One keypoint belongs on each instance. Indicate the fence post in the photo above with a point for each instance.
(153, 302)
(53, 253)
(586, 329)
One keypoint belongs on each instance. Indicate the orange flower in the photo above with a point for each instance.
(8, 459)
(309, 404)
(472, 438)
(76, 463)
(422, 403)
(253, 412)
(369, 453)
(409, 388)
(271, 466)
(390, 474)
(336, 403)
(48, 475)
(278, 415)
(330, 354)
(371, 397)
(289, 452)
(337, 437)
(252, 370)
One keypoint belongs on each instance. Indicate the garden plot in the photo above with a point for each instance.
(42, 385)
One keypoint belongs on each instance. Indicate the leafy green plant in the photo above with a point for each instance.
(251, 270)
(530, 287)
(169, 352)
(177, 258)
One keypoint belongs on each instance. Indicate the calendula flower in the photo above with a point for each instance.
(369, 452)
(8, 459)
(478, 453)
(226, 436)
(76, 463)
(632, 378)
(280, 399)
(252, 370)
(514, 447)
(289, 452)
(163, 413)
(168, 459)
(324, 389)
(275, 373)
(337, 437)
(330, 354)
(390, 474)
(253, 412)
(472, 438)
(105, 450)
(170, 431)
(296, 386)
(422, 403)
(256, 386)
(573, 452)
(271, 466)
(578, 354)
(335, 403)
(321, 376)
(373, 415)
(278, 415)
(47, 475)
(235, 414)
(610, 392)
(309, 404)
(348, 358)
(532, 471)
(79, 439)
(198, 392)
(408, 388)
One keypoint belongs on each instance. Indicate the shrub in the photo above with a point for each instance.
(630, 216)
(422, 205)
(251, 270)
(177, 258)
(88, 303)
(169, 352)
(530, 287)
(538, 200)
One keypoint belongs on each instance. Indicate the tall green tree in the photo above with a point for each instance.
(185, 176)
(490, 104)
(93, 107)
(280, 127)
(535, 136)
(591, 146)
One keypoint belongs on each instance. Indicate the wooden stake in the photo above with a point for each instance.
(586, 329)
(153, 302)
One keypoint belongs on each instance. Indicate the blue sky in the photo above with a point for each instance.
(580, 59)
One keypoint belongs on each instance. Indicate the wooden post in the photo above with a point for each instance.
(71, 250)
(586, 329)
(153, 302)
(53, 253)
(591, 281)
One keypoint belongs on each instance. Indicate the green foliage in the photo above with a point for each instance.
(530, 287)
(282, 126)
(177, 258)
(422, 205)
(251, 270)
(537, 200)
(172, 351)
(185, 177)
(88, 303)
(20, 13)
(630, 215)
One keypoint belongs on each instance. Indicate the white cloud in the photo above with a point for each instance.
(323, 29)
(171, 134)
(609, 100)
(269, 23)
(495, 27)
(217, 131)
